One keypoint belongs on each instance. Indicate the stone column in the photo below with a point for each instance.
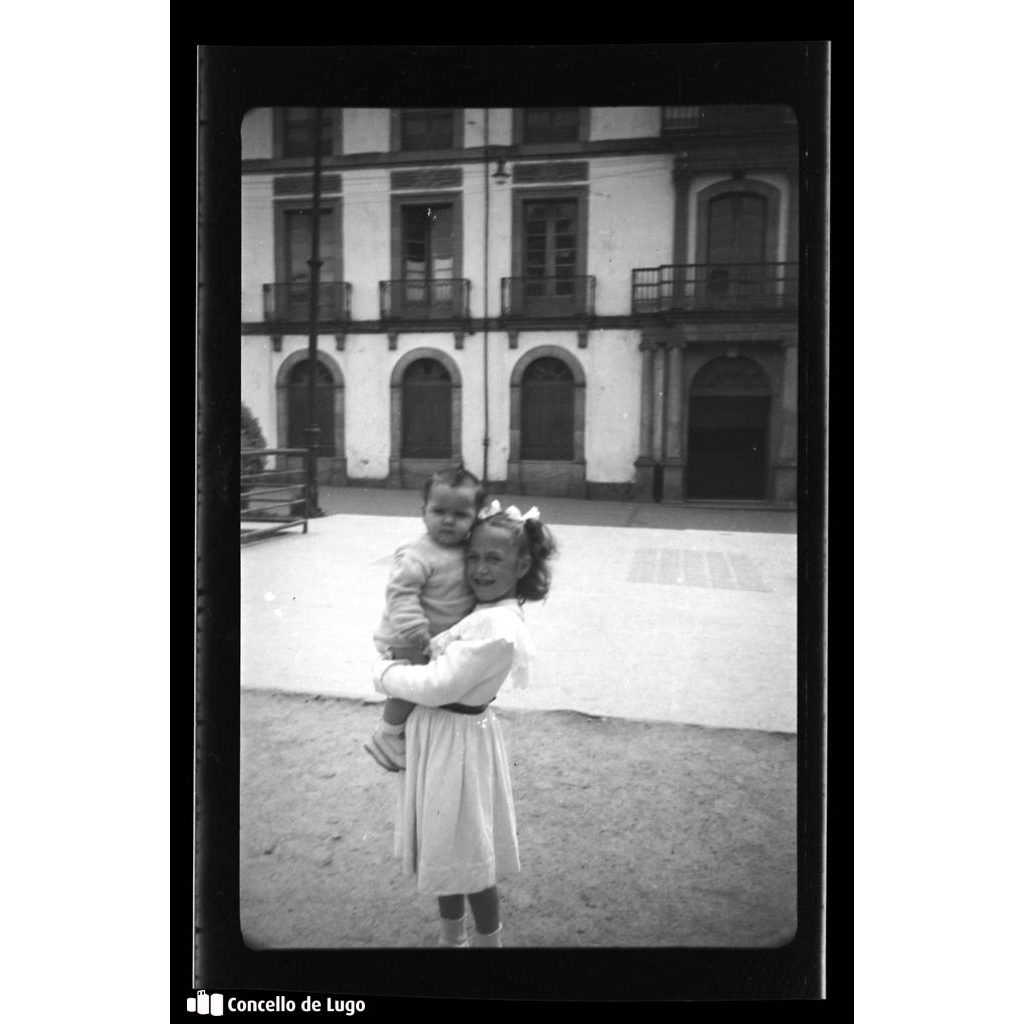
(645, 462)
(659, 403)
(673, 472)
(785, 463)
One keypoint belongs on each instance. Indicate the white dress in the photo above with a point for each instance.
(455, 822)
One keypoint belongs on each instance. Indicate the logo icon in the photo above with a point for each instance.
(202, 1003)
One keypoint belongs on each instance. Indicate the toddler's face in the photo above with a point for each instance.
(449, 514)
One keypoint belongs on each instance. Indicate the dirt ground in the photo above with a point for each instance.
(631, 833)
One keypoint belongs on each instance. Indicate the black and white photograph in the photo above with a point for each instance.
(526, 647)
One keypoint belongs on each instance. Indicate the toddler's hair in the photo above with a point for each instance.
(533, 538)
(457, 476)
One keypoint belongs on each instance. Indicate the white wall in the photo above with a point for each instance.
(366, 366)
(258, 391)
(624, 122)
(257, 243)
(257, 130)
(630, 224)
(367, 241)
(613, 405)
(500, 126)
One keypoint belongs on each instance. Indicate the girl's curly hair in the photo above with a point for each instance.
(533, 538)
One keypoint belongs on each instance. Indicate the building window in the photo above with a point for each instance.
(426, 254)
(428, 249)
(550, 125)
(416, 131)
(294, 248)
(548, 415)
(737, 235)
(737, 228)
(679, 119)
(426, 411)
(549, 246)
(293, 133)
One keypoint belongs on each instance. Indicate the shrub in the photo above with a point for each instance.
(252, 437)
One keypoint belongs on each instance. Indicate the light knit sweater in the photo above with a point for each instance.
(427, 593)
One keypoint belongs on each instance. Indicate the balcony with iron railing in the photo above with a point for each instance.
(726, 118)
(443, 299)
(700, 287)
(290, 302)
(545, 297)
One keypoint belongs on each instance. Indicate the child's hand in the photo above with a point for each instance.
(413, 655)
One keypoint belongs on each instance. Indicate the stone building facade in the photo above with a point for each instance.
(593, 302)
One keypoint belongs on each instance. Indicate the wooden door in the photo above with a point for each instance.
(298, 408)
(426, 411)
(547, 411)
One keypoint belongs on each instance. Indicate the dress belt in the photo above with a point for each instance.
(465, 709)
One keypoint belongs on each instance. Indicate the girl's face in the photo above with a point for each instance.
(493, 564)
(449, 513)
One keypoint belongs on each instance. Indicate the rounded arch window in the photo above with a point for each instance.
(548, 410)
(426, 411)
(298, 407)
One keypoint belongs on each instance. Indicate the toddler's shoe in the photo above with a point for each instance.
(387, 746)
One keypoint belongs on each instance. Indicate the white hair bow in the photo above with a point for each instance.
(511, 512)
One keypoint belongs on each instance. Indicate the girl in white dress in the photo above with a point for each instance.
(455, 825)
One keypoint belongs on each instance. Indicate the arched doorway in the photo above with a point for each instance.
(729, 418)
(426, 417)
(546, 430)
(298, 407)
(426, 411)
(329, 411)
(548, 393)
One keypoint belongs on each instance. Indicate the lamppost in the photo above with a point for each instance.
(312, 430)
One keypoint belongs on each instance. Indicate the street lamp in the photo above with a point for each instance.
(312, 430)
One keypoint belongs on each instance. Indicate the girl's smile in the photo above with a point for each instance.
(493, 564)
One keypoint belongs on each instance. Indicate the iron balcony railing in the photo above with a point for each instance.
(690, 287)
(725, 118)
(547, 296)
(275, 493)
(443, 299)
(291, 301)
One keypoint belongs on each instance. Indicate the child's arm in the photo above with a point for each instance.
(405, 612)
(464, 665)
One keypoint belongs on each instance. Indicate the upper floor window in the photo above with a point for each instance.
(737, 228)
(294, 131)
(549, 124)
(426, 130)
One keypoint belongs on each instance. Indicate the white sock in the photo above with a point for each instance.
(453, 932)
(492, 940)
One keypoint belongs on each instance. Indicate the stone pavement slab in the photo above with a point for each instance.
(687, 624)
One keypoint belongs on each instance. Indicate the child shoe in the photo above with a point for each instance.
(387, 746)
